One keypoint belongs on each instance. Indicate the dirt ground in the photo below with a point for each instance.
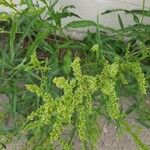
(111, 141)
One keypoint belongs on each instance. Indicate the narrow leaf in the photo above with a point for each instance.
(39, 38)
(136, 19)
(80, 24)
(12, 38)
(120, 21)
(67, 62)
(142, 12)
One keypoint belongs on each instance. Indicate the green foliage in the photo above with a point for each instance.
(36, 65)
(80, 24)
(5, 21)
(56, 111)
(67, 62)
(76, 106)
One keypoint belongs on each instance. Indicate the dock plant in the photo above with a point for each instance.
(58, 89)
(75, 108)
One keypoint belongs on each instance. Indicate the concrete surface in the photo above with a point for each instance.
(88, 9)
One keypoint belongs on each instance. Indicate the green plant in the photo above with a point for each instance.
(137, 37)
(29, 32)
(56, 111)
(75, 109)
(131, 42)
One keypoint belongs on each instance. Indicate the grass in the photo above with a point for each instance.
(43, 78)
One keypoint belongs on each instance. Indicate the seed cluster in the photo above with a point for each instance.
(76, 103)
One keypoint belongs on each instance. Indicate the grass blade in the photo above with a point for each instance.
(80, 24)
(120, 21)
(67, 62)
(12, 38)
(39, 38)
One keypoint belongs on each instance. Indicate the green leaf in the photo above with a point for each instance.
(136, 138)
(67, 7)
(68, 14)
(11, 5)
(120, 21)
(29, 3)
(131, 108)
(54, 3)
(12, 37)
(142, 12)
(39, 38)
(80, 24)
(67, 62)
(29, 25)
(115, 10)
(136, 19)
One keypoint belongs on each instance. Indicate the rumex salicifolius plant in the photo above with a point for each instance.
(54, 111)
(75, 107)
(30, 24)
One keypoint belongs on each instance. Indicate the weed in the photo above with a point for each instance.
(56, 111)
